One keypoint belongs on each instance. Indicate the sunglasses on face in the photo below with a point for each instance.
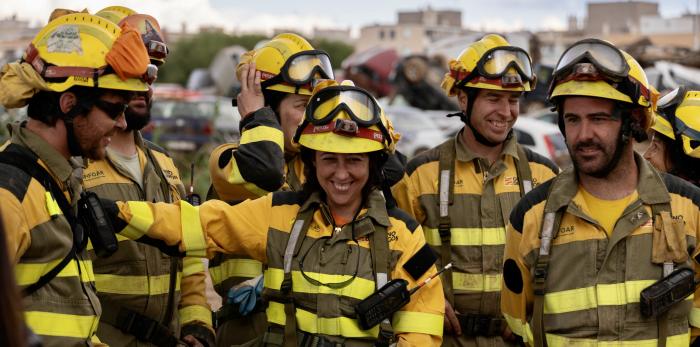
(112, 109)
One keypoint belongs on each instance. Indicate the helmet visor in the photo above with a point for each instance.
(302, 67)
(499, 60)
(356, 103)
(604, 56)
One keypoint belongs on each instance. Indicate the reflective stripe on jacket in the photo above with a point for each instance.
(593, 286)
(65, 311)
(258, 228)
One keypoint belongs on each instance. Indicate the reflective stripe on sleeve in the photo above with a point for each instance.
(192, 266)
(247, 268)
(195, 313)
(141, 220)
(28, 273)
(134, 285)
(468, 236)
(417, 322)
(192, 235)
(237, 178)
(61, 324)
(262, 133)
(519, 327)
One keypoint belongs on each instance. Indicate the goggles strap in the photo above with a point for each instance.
(52, 71)
(364, 133)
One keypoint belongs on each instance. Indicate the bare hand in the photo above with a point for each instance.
(192, 341)
(451, 322)
(508, 335)
(251, 98)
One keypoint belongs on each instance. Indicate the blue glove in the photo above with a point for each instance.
(246, 295)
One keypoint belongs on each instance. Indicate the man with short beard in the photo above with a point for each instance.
(76, 77)
(139, 283)
(463, 190)
(582, 248)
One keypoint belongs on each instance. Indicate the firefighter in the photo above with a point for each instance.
(327, 246)
(284, 68)
(463, 190)
(675, 138)
(139, 285)
(581, 248)
(76, 77)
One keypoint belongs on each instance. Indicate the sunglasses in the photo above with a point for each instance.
(112, 109)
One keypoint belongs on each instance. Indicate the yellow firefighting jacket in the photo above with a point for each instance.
(260, 228)
(65, 311)
(593, 283)
(483, 199)
(137, 276)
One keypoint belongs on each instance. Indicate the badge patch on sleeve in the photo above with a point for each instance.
(420, 262)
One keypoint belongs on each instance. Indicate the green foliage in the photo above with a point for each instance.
(199, 50)
(338, 50)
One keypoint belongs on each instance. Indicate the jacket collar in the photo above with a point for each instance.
(58, 165)
(465, 154)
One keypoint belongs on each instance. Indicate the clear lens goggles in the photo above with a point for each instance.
(325, 105)
(301, 68)
(606, 58)
(668, 103)
(157, 49)
(497, 61)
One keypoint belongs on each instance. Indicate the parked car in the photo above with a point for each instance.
(418, 131)
(544, 138)
(190, 122)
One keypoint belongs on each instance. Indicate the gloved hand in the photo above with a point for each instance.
(246, 294)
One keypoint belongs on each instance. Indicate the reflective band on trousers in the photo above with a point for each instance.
(195, 313)
(417, 322)
(28, 273)
(192, 234)
(61, 324)
(519, 327)
(141, 220)
(310, 323)
(468, 236)
(359, 288)
(262, 133)
(561, 341)
(134, 285)
(247, 268)
(476, 282)
(615, 294)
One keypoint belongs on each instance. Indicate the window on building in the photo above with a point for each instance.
(381, 34)
(392, 34)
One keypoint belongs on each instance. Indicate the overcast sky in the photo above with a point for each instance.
(265, 15)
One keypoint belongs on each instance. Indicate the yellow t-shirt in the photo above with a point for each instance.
(606, 212)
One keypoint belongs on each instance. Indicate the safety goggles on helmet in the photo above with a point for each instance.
(669, 102)
(360, 106)
(157, 49)
(604, 56)
(496, 63)
(301, 69)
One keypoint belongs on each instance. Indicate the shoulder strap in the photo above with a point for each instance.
(446, 184)
(522, 167)
(381, 256)
(662, 319)
(17, 157)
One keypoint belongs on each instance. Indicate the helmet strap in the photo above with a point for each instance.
(471, 96)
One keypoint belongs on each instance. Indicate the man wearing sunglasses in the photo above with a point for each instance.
(76, 77)
(463, 190)
(604, 253)
(139, 283)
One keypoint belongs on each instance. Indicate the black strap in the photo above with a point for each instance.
(446, 167)
(141, 327)
(19, 157)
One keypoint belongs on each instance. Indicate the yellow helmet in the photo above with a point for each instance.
(343, 118)
(679, 112)
(288, 63)
(74, 50)
(596, 68)
(490, 63)
(115, 13)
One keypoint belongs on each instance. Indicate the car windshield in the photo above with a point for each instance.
(181, 108)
